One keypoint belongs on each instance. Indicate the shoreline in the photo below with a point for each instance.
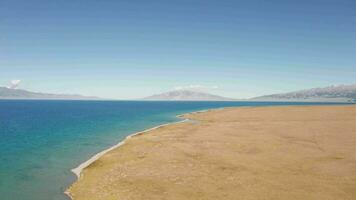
(260, 160)
(77, 170)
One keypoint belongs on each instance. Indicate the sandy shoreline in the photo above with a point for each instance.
(92, 159)
(293, 152)
(77, 171)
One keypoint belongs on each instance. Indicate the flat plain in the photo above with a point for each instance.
(252, 153)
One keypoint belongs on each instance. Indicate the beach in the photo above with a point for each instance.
(276, 152)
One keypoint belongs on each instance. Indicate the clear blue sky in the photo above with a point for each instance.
(129, 49)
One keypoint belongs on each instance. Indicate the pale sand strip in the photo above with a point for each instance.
(291, 152)
(95, 157)
(77, 171)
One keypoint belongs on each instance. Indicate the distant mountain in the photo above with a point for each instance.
(341, 93)
(186, 95)
(7, 93)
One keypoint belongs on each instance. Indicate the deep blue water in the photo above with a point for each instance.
(40, 141)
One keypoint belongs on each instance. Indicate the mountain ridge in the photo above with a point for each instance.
(338, 93)
(8, 93)
(186, 95)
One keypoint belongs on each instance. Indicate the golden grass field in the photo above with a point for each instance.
(277, 153)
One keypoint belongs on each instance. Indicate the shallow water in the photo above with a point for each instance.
(41, 141)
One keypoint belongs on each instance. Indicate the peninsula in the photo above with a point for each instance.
(282, 152)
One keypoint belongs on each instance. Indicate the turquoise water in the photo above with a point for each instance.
(41, 141)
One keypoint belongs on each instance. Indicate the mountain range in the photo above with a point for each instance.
(8, 93)
(186, 95)
(341, 93)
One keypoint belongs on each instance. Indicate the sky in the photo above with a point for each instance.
(128, 49)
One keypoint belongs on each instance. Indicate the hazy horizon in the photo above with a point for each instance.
(133, 49)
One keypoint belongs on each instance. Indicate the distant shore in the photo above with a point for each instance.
(293, 152)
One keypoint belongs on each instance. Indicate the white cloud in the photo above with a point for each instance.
(14, 84)
(196, 87)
